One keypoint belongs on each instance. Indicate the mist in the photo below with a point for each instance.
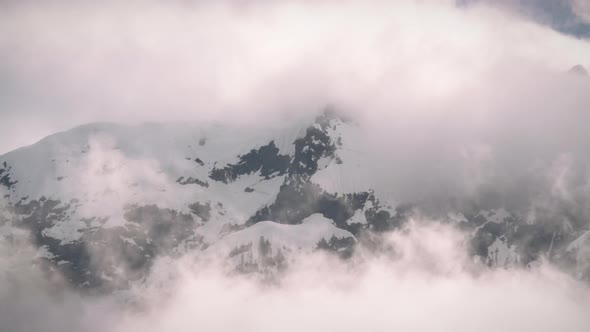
(258, 62)
(457, 105)
(475, 91)
(426, 283)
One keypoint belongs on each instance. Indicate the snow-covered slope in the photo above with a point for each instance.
(101, 201)
(103, 197)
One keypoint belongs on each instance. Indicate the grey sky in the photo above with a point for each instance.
(453, 98)
(567, 16)
(63, 64)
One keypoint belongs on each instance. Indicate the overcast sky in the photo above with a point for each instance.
(67, 63)
(455, 96)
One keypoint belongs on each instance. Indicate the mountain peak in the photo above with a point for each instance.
(578, 70)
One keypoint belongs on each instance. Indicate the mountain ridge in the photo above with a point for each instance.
(102, 206)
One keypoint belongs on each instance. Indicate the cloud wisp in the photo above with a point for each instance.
(468, 104)
(426, 284)
(198, 61)
(450, 99)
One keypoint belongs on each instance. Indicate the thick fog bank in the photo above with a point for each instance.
(426, 283)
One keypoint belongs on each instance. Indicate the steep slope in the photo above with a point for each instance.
(102, 201)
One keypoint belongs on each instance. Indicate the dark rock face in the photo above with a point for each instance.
(342, 247)
(39, 215)
(265, 160)
(199, 161)
(104, 259)
(165, 228)
(531, 241)
(201, 210)
(5, 176)
(299, 198)
(309, 150)
(190, 180)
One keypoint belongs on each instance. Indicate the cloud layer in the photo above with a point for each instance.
(451, 98)
(426, 284)
(65, 64)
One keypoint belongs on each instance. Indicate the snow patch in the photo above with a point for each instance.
(501, 254)
(303, 237)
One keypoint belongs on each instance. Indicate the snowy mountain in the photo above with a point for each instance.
(578, 70)
(102, 201)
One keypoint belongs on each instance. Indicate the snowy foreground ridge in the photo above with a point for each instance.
(102, 201)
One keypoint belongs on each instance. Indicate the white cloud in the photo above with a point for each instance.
(582, 9)
(451, 99)
(428, 285)
(67, 64)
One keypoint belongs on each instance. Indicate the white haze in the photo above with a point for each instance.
(64, 64)
(452, 101)
(426, 284)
